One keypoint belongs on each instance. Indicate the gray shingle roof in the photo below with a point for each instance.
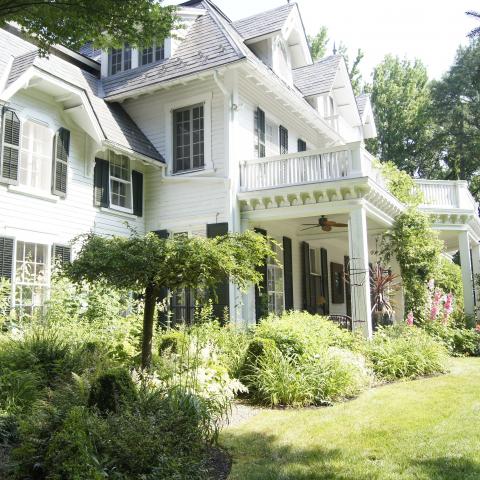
(116, 124)
(206, 46)
(263, 23)
(361, 102)
(88, 51)
(318, 78)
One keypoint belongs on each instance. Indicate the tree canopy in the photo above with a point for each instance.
(401, 100)
(318, 43)
(145, 264)
(106, 23)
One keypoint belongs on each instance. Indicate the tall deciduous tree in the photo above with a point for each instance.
(456, 111)
(146, 264)
(476, 31)
(353, 67)
(401, 99)
(106, 23)
(318, 43)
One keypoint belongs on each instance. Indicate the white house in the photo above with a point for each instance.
(226, 127)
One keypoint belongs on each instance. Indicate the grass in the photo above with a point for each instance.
(423, 429)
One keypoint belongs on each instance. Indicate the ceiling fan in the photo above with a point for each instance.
(324, 223)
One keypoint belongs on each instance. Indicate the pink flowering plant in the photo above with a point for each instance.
(440, 305)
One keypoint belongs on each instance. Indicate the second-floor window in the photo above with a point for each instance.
(120, 182)
(155, 53)
(29, 153)
(189, 141)
(36, 156)
(119, 59)
(283, 135)
(301, 145)
(259, 126)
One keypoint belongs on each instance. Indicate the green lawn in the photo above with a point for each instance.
(425, 429)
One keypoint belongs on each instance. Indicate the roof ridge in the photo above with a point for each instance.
(213, 9)
(280, 7)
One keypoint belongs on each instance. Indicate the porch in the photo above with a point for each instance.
(278, 195)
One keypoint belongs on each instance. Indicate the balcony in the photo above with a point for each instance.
(446, 195)
(313, 166)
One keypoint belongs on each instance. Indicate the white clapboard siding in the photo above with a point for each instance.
(63, 219)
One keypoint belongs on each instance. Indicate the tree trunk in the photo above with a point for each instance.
(148, 319)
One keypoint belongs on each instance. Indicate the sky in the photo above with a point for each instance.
(430, 30)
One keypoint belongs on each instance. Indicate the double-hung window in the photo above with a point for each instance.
(275, 288)
(36, 156)
(31, 276)
(189, 138)
(151, 54)
(120, 182)
(283, 136)
(120, 59)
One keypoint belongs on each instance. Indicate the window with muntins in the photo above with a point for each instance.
(189, 141)
(283, 134)
(259, 120)
(301, 145)
(120, 182)
(36, 156)
(275, 287)
(31, 276)
(120, 59)
(155, 53)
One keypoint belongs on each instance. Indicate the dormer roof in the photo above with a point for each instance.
(263, 23)
(362, 101)
(116, 126)
(317, 78)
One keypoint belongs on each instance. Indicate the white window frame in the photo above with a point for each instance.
(122, 61)
(154, 47)
(23, 149)
(47, 263)
(206, 99)
(275, 277)
(128, 182)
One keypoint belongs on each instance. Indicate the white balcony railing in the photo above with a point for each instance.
(304, 167)
(446, 194)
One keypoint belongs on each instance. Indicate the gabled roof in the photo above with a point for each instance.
(88, 51)
(362, 100)
(207, 45)
(317, 78)
(116, 125)
(263, 23)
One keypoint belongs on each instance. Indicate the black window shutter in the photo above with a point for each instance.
(10, 151)
(62, 254)
(324, 267)
(222, 292)
(306, 284)
(137, 193)
(288, 273)
(301, 145)
(61, 150)
(261, 294)
(260, 132)
(6, 258)
(101, 190)
(283, 134)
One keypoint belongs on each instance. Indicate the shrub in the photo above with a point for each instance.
(296, 333)
(405, 352)
(256, 349)
(173, 341)
(112, 390)
(70, 452)
(458, 341)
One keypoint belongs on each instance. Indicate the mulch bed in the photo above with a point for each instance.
(219, 464)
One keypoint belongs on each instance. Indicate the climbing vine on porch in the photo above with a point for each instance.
(400, 184)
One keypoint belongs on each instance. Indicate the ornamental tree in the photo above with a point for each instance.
(145, 264)
(106, 23)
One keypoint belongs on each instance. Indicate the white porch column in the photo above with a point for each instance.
(359, 271)
(464, 248)
(476, 271)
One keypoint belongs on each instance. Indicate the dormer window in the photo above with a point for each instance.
(155, 53)
(119, 59)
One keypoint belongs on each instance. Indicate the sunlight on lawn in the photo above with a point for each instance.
(425, 429)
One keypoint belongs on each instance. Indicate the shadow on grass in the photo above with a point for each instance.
(448, 468)
(258, 456)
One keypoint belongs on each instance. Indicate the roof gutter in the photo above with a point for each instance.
(127, 151)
